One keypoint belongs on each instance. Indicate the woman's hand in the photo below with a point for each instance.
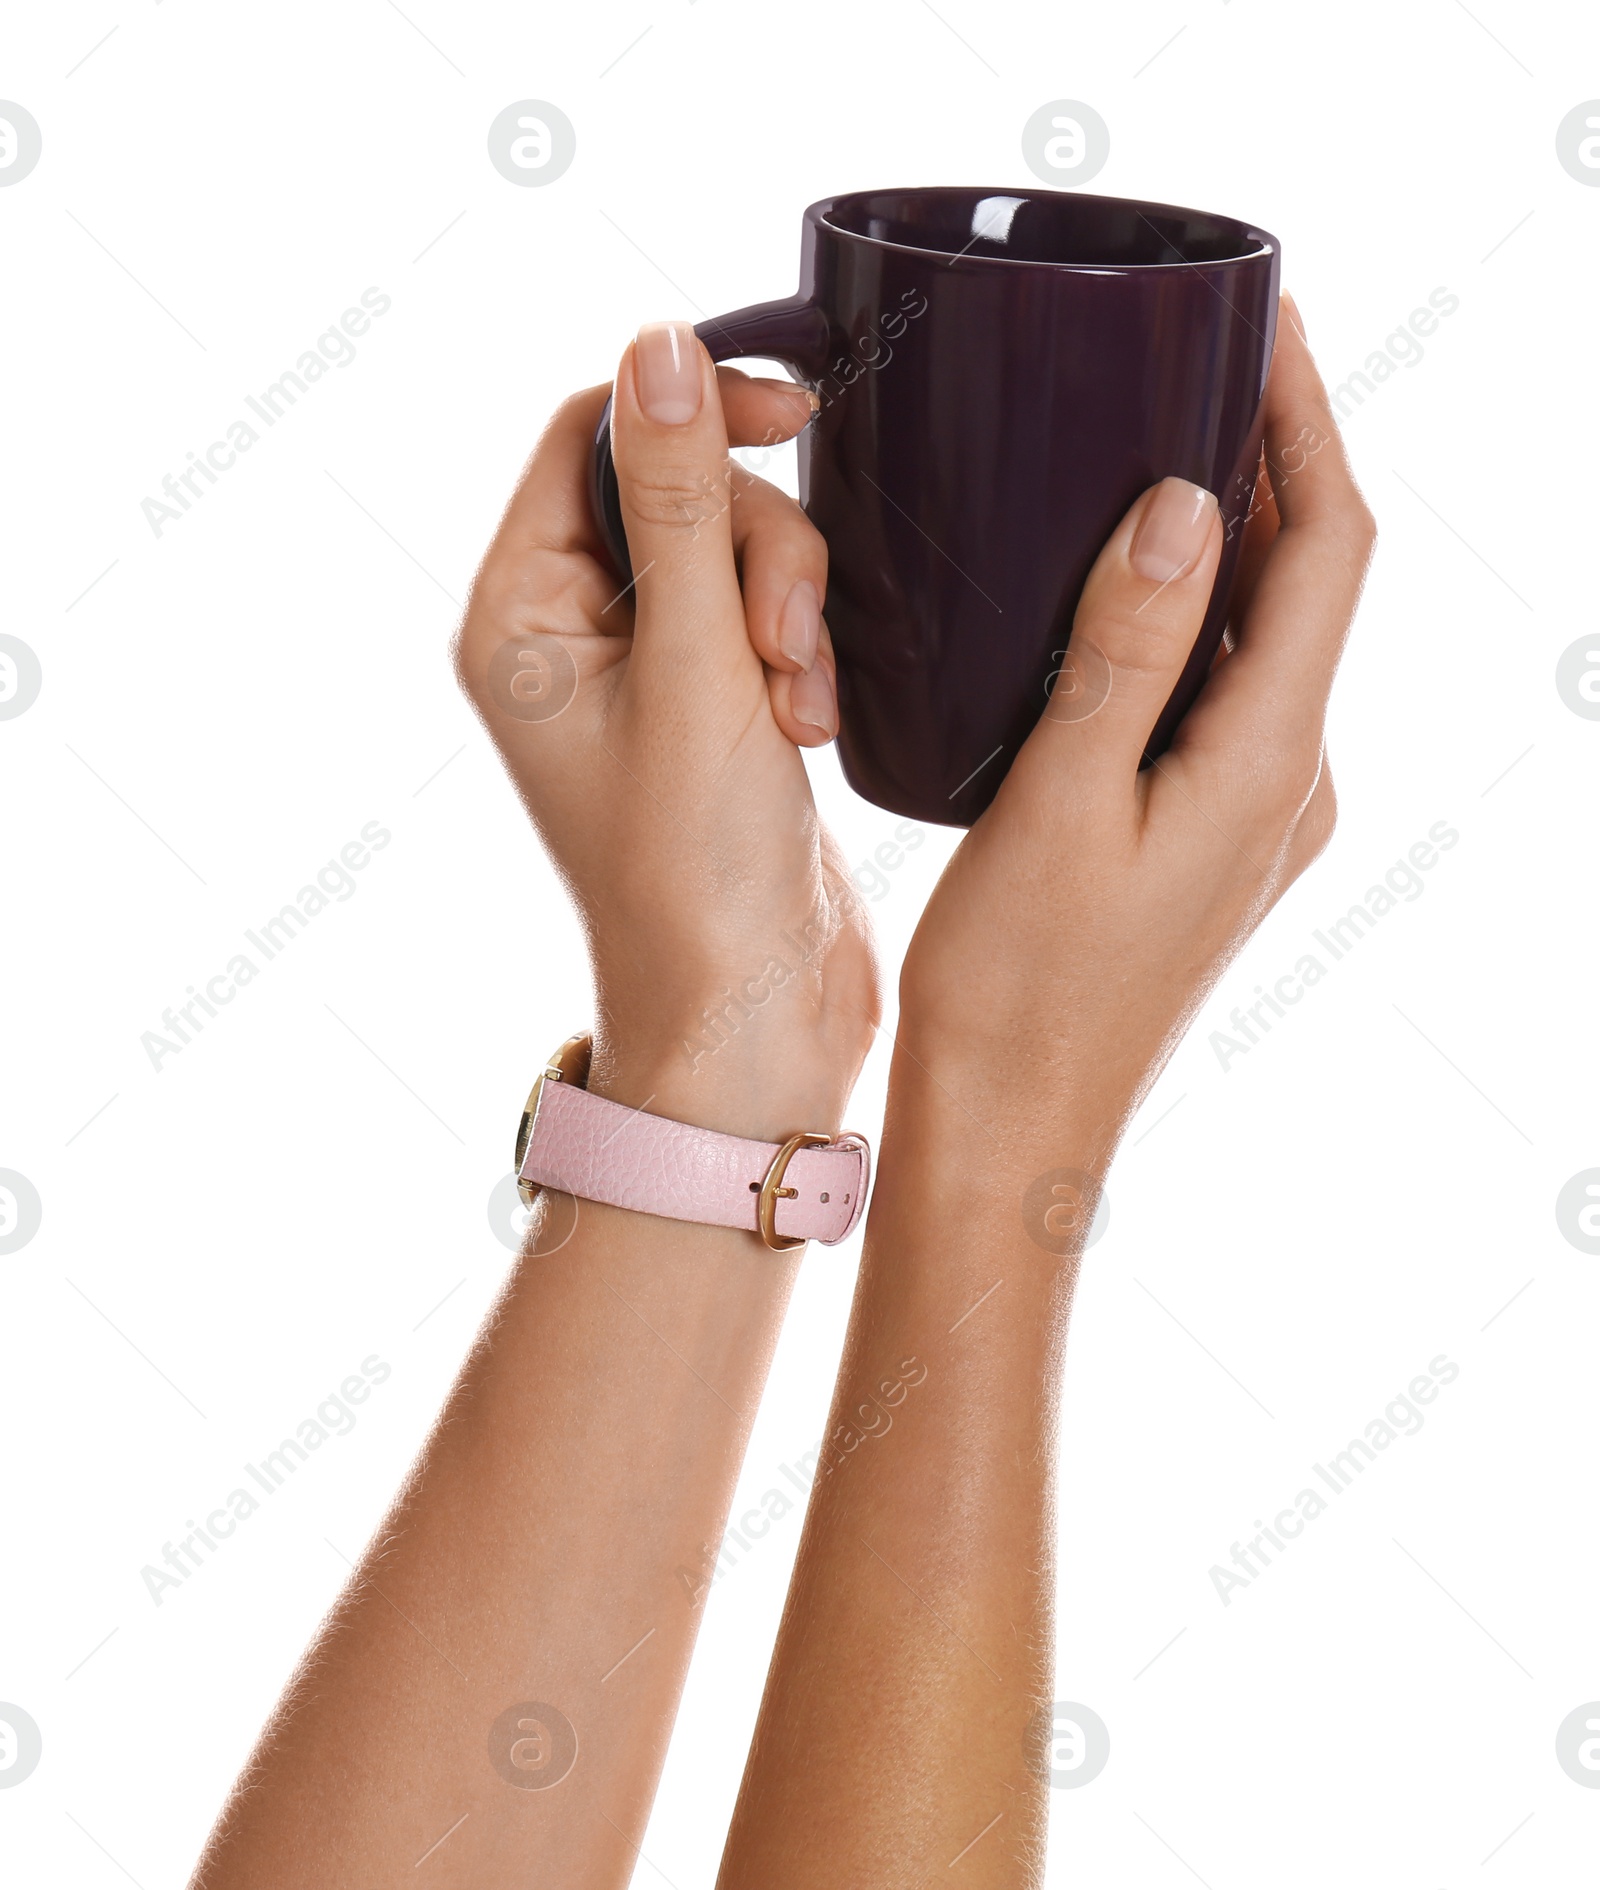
(652, 733)
(1088, 913)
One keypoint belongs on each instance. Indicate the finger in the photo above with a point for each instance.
(763, 412)
(1274, 688)
(1260, 529)
(544, 573)
(1298, 413)
(549, 512)
(805, 704)
(550, 507)
(671, 453)
(783, 572)
(1135, 625)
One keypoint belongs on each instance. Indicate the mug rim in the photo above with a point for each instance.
(1255, 244)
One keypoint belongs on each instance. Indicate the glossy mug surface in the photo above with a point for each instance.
(1001, 373)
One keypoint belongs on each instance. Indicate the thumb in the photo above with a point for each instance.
(1141, 610)
(670, 445)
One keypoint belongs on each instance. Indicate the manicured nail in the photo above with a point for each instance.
(666, 372)
(811, 699)
(790, 391)
(798, 624)
(1173, 531)
(1292, 309)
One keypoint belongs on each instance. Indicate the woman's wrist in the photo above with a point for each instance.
(1014, 1104)
(762, 1056)
(750, 1081)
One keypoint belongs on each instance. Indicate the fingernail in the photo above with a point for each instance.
(666, 372)
(1292, 309)
(791, 391)
(798, 624)
(1173, 531)
(811, 699)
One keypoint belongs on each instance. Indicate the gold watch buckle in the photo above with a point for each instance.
(570, 1064)
(772, 1190)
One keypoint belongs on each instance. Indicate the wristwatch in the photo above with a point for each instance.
(809, 1187)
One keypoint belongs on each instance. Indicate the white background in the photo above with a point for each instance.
(1292, 1240)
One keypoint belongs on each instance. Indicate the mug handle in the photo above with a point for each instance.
(793, 331)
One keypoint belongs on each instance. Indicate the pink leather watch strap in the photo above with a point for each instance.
(600, 1150)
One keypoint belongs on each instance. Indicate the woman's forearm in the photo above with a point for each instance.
(547, 1554)
(919, 1619)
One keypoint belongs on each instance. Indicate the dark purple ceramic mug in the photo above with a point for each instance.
(1002, 373)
